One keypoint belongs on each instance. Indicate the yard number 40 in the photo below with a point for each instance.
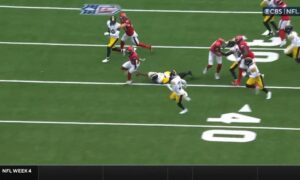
(237, 136)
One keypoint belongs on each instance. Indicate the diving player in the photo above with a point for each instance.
(163, 77)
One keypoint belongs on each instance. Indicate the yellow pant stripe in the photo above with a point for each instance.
(269, 18)
(234, 65)
(256, 81)
(173, 96)
(112, 41)
(296, 52)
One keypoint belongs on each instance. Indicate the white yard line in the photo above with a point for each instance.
(104, 45)
(136, 10)
(134, 84)
(146, 125)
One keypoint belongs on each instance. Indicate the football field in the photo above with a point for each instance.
(61, 105)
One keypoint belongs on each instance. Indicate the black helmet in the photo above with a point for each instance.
(230, 43)
(288, 29)
(173, 74)
(112, 20)
(154, 77)
(248, 61)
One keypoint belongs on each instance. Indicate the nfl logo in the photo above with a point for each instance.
(100, 9)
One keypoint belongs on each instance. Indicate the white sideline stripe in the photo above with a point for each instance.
(104, 45)
(133, 84)
(146, 125)
(137, 10)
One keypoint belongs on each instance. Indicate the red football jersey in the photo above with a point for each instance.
(134, 58)
(129, 30)
(244, 45)
(284, 17)
(216, 47)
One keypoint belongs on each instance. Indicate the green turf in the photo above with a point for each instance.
(88, 144)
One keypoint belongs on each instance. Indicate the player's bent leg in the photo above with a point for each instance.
(173, 96)
(232, 70)
(251, 83)
(115, 48)
(211, 57)
(129, 81)
(275, 27)
(296, 52)
(179, 104)
(136, 42)
(125, 70)
(217, 74)
(110, 45)
(266, 24)
(184, 74)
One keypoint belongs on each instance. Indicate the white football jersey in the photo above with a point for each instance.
(253, 71)
(271, 3)
(114, 30)
(177, 85)
(295, 39)
(236, 52)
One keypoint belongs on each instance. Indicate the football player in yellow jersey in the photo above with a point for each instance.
(163, 77)
(255, 78)
(269, 19)
(293, 50)
(113, 32)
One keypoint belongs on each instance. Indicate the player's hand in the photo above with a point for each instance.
(106, 33)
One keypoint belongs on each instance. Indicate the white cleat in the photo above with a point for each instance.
(187, 98)
(217, 76)
(282, 43)
(269, 95)
(184, 111)
(123, 51)
(257, 90)
(128, 82)
(204, 70)
(105, 60)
